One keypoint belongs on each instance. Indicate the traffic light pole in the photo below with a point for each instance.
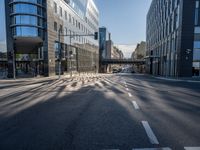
(70, 36)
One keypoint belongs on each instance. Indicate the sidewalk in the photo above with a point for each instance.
(180, 79)
(6, 82)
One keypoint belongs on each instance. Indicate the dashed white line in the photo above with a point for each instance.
(192, 148)
(152, 138)
(129, 94)
(164, 148)
(135, 105)
(127, 89)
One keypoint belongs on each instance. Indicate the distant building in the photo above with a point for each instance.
(107, 50)
(104, 37)
(139, 54)
(173, 38)
(140, 51)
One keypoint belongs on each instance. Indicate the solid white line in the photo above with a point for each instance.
(135, 105)
(164, 148)
(129, 94)
(149, 132)
(192, 148)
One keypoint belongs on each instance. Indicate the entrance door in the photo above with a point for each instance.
(25, 69)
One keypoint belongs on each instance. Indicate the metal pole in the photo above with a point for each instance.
(70, 42)
(59, 48)
(14, 69)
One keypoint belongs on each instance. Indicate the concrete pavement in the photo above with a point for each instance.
(121, 112)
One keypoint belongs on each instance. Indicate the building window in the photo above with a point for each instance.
(65, 15)
(73, 20)
(196, 54)
(70, 18)
(197, 30)
(196, 44)
(66, 31)
(55, 26)
(196, 16)
(197, 4)
(61, 28)
(61, 11)
(55, 7)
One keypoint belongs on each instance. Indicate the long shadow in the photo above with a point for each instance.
(72, 121)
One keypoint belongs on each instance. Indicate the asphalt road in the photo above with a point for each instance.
(109, 112)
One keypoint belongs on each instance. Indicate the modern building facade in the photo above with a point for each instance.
(139, 54)
(140, 51)
(31, 44)
(104, 37)
(173, 38)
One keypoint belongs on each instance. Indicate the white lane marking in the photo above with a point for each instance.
(125, 85)
(129, 94)
(127, 89)
(164, 148)
(135, 105)
(149, 132)
(192, 148)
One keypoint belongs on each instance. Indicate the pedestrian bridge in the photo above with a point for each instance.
(122, 61)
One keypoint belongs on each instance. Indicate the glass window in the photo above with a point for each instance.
(196, 54)
(65, 15)
(66, 31)
(25, 19)
(197, 30)
(61, 11)
(26, 31)
(196, 44)
(27, 8)
(55, 7)
(55, 26)
(31, 1)
(196, 16)
(197, 4)
(196, 64)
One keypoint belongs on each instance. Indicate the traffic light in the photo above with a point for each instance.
(96, 35)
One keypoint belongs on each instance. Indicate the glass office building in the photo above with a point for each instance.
(3, 43)
(30, 43)
(173, 38)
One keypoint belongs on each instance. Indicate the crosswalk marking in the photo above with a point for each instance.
(164, 148)
(129, 94)
(149, 132)
(135, 105)
(192, 148)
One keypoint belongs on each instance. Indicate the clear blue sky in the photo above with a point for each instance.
(125, 19)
